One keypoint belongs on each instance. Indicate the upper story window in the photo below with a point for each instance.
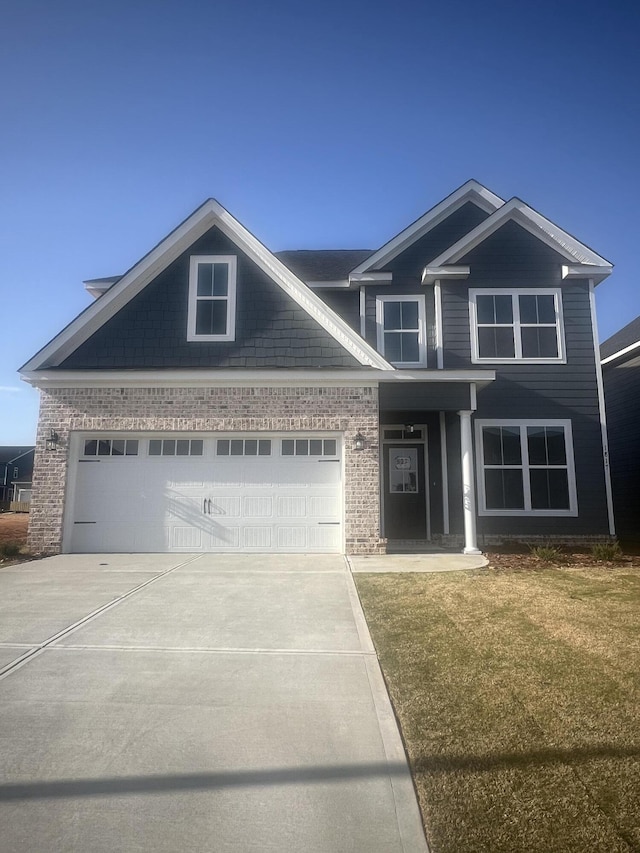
(212, 298)
(400, 322)
(516, 325)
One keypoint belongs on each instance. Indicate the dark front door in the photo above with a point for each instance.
(405, 502)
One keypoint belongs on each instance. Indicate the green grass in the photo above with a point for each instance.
(518, 695)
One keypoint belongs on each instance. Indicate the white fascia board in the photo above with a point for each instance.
(244, 378)
(537, 225)
(370, 278)
(596, 274)
(620, 353)
(470, 191)
(431, 274)
(205, 217)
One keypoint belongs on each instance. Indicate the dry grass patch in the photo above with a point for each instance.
(518, 696)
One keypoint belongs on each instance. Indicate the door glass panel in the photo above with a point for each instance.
(403, 469)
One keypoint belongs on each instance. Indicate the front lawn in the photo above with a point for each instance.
(518, 694)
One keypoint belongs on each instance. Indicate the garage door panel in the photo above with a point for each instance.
(292, 506)
(224, 537)
(227, 507)
(207, 502)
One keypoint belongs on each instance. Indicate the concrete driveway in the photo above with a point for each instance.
(195, 703)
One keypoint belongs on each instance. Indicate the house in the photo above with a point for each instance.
(621, 373)
(16, 472)
(442, 389)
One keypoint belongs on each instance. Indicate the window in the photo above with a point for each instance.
(518, 325)
(212, 298)
(400, 322)
(243, 447)
(309, 447)
(525, 468)
(111, 447)
(175, 447)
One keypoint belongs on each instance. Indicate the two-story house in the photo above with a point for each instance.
(444, 388)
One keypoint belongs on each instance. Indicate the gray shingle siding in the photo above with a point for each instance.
(151, 330)
(622, 394)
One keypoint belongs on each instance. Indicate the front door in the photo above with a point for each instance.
(405, 501)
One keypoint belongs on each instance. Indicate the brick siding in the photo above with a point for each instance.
(284, 409)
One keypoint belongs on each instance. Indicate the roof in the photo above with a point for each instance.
(625, 340)
(583, 261)
(10, 453)
(323, 264)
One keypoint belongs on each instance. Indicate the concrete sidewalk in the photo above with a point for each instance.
(195, 703)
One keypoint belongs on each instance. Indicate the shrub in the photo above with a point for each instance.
(546, 553)
(606, 551)
(9, 549)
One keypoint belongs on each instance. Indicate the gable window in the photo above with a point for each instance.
(525, 468)
(212, 298)
(400, 322)
(516, 325)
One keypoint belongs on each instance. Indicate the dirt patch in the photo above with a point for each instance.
(13, 527)
(518, 558)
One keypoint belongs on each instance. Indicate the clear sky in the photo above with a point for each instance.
(326, 125)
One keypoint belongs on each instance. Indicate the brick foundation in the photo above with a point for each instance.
(283, 409)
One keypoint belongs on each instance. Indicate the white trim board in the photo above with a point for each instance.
(539, 226)
(246, 378)
(208, 215)
(469, 191)
(602, 412)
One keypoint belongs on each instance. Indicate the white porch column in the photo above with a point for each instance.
(468, 485)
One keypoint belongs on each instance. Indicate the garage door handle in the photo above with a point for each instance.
(206, 506)
(328, 522)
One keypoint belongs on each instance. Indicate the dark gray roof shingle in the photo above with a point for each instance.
(323, 264)
(628, 335)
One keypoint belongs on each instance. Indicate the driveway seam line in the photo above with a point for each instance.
(38, 648)
(214, 650)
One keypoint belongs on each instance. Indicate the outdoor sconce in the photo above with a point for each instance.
(358, 441)
(52, 442)
(408, 428)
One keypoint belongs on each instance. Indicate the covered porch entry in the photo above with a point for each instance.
(427, 479)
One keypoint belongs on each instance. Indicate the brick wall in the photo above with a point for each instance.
(346, 410)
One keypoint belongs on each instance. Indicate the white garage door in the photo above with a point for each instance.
(135, 493)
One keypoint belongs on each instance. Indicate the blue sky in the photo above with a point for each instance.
(317, 125)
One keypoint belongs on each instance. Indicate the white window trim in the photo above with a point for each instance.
(232, 263)
(527, 511)
(515, 292)
(422, 326)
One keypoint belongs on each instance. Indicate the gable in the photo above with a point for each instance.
(414, 258)
(513, 252)
(150, 331)
(482, 197)
(578, 260)
(159, 259)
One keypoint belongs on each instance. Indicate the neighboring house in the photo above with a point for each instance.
(16, 472)
(220, 397)
(620, 356)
